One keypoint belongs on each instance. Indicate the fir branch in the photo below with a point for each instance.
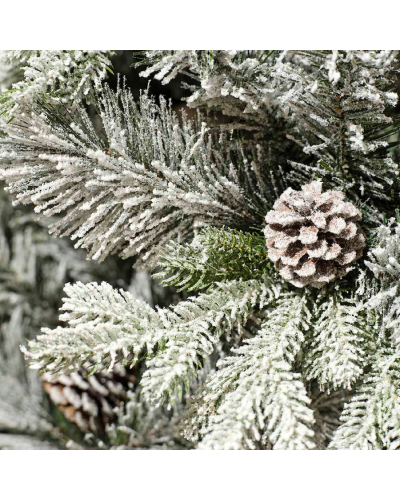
(194, 328)
(263, 399)
(104, 325)
(384, 256)
(200, 65)
(68, 75)
(340, 344)
(371, 420)
(215, 255)
(155, 181)
(337, 110)
(237, 83)
(382, 293)
(141, 426)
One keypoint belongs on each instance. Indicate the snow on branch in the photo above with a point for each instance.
(382, 295)
(339, 113)
(371, 420)
(67, 75)
(263, 399)
(340, 344)
(155, 180)
(194, 328)
(106, 325)
(236, 82)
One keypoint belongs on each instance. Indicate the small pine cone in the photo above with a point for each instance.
(88, 401)
(312, 237)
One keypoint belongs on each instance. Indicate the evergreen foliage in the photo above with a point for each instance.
(371, 418)
(214, 255)
(254, 362)
(340, 344)
(105, 325)
(33, 271)
(152, 181)
(255, 395)
(66, 75)
(340, 119)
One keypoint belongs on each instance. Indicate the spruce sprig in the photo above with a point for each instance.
(215, 255)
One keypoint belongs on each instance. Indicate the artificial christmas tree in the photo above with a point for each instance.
(258, 362)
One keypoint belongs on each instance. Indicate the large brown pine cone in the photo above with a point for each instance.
(312, 237)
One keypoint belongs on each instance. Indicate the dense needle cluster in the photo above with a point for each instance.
(287, 332)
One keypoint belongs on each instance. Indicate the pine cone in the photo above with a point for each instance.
(311, 237)
(89, 401)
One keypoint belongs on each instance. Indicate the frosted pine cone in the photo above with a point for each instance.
(312, 237)
(89, 401)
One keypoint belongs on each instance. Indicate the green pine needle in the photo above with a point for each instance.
(215, 255)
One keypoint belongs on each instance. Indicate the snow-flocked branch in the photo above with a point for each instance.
(263, 399)
(155, 181)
